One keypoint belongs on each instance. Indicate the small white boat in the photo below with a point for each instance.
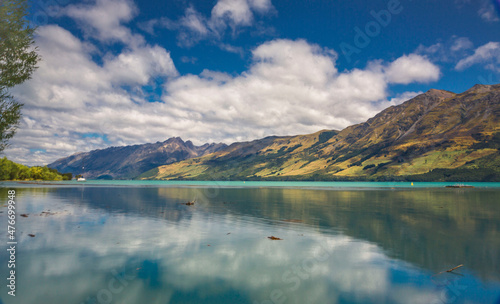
(80, 176)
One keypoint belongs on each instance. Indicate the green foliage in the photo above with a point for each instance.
(12, 171)
(325, 136)
(487, 142)
(67, 176)
(16, 39)
(18, 60)
(350, 154)
(291, 149)
(458, 175)
(149, 174)
(10, 112)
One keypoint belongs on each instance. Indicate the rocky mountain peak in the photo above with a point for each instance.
(480, 88)
(129, 161)
(439, 93)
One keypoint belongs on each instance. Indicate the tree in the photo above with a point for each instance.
(18, 59)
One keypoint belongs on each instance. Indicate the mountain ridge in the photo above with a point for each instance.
(434, 130)
(126, 162)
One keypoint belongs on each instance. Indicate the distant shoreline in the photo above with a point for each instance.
(311, 185)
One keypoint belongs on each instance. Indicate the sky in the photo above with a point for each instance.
(123, 72)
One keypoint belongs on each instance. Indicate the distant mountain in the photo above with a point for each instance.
(438, 135)
(129, 161)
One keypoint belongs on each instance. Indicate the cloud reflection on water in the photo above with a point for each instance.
(90, 239)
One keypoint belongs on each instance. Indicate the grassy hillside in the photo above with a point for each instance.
(459, 133)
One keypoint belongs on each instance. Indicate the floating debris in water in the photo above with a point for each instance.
(459, 186)
(274, 238)
(450, 270)
(45, 213)
(456, 267)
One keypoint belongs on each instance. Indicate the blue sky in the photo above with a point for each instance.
(120, 72)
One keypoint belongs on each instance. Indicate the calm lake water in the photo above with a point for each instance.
(136, 242)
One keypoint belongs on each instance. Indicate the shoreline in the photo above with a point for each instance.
(311, 185)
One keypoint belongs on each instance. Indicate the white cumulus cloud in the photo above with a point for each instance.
(488, 55)
(140, 65)
(104, 20)
(238, 12)
(193, 27)
(450, 50)
(412, 68)
(461, 43)
(74, 104)
(487, 12)
(291, 87)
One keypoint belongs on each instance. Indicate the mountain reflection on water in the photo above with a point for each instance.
(142, 245)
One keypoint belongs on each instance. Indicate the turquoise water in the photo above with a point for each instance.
(240, 184)
(137, 242)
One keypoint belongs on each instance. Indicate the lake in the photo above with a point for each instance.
(138, 242)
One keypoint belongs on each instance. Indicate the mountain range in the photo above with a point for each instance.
(129, 161)
(438, 135)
